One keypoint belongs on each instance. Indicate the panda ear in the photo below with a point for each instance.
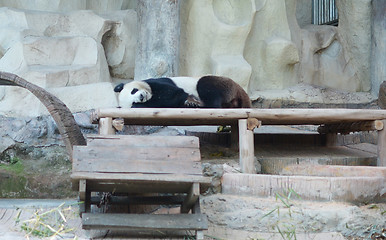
(119, 87)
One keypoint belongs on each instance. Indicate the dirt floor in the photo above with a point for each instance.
(230, 217)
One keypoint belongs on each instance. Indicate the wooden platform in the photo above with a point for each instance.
(130, 168)
(243, 121)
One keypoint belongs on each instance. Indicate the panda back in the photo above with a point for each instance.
(188, 84)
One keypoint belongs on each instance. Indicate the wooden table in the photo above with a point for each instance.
(243, 121)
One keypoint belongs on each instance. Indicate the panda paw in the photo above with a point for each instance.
(193, 102)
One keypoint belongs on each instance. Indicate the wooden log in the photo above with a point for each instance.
(106, 126)
(346, 128)
(382, 147)
(183, 116)
(145, 221)
(246, 153)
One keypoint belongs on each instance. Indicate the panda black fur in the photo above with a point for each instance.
(205, 92)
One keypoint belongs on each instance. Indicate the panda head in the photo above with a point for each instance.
(133, 92)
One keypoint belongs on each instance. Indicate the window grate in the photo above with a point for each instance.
(324, 12)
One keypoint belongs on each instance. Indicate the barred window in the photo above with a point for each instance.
(324, 12)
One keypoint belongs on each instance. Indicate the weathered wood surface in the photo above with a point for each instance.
(129, 153)
(246, 152)
(183, 116)
(139, 182)
(382, 147)
(142, 141)
(191, 198)
(346, 128)
(145, 221)
(105, 126)
(139, 154)
(141, 200)
(115, 165)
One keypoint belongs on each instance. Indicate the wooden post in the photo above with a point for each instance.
(234, 136)
(382, 146)
(106, 126)
(191, 198)
(246, 149)
(84, 197)
(331, 139)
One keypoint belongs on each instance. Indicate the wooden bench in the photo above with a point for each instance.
(136, 166)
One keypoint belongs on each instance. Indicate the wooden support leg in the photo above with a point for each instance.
(197, 210)
(84, 197)
(331, 139)
(246, 149)
(382, 146)
(234, 137)
(191, 198)
(106, 126)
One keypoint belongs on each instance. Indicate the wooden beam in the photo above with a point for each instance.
(145, 221)
(185, 116)
(191, 198)
(142, 200)
(346, 128)
(246, 152)
(197, 210)
(382, 146)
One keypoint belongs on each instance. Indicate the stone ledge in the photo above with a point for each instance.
(348, 189)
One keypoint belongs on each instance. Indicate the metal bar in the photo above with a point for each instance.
(324, 12)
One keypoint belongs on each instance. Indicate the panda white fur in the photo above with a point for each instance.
(205, 92)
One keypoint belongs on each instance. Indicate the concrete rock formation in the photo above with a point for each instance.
(76, 49)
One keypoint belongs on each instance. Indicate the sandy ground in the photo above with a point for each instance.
(230, 217)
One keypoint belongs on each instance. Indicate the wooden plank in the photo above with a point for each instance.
(142, 200)
(143, 141)
(246, 142)
(106, 126)
(138, 187)
(82, 190)
(219, 116)
(191, 198)
(112, 165)
(382, 147)
(128, 153)
(135, 178)
(177, 178)
(145, 221)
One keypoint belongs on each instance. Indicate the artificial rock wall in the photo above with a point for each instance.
(78, 49)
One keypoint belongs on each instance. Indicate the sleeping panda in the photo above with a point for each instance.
(175, 92)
